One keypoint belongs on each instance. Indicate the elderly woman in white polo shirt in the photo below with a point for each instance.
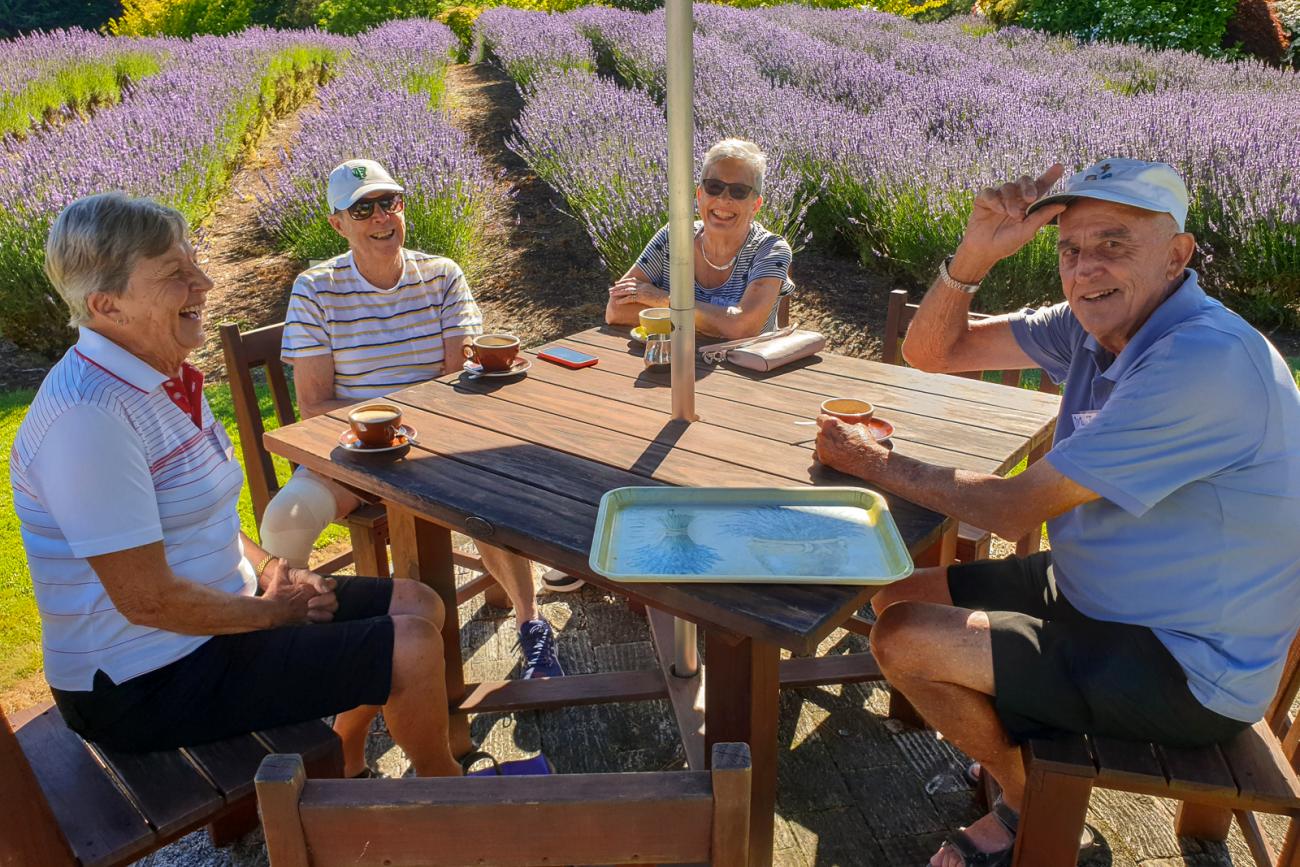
(155, 635)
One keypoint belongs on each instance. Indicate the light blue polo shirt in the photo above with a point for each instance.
(1191, 436)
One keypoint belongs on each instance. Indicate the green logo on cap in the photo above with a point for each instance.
(359, 172)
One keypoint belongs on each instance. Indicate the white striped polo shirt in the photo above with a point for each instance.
(105, 462)
(381, 339)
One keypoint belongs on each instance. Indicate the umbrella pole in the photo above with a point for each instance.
(681, 253)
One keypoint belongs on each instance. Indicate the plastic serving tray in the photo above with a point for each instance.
(748, 535)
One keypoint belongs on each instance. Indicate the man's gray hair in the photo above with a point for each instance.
(742, 151)
(96, 241)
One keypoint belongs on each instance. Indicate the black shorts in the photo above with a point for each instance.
(234, 684)
(1055, 669)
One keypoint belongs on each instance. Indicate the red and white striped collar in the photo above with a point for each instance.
(116, 361)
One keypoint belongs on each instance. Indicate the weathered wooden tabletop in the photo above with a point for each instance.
(523, 461)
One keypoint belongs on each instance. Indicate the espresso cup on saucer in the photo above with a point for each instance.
(376, 425)
(493, 352)
(849, 410)
(656, 320)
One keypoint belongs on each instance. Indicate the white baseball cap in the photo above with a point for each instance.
(1149, 186)
(354, 179)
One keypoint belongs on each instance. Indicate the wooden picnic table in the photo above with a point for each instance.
(522, 462)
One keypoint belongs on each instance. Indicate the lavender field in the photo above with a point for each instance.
(881, 131)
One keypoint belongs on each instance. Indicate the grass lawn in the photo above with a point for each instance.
(20, 635)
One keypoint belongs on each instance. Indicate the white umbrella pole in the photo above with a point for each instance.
(681, 208)
(681, 253)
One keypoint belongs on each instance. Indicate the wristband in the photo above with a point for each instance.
(952, 283)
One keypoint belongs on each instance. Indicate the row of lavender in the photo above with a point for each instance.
(175, 138)
(384, 105)
(604, 146)
(894, 125)
(48, 75)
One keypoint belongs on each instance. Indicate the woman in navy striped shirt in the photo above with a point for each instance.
(740, 268)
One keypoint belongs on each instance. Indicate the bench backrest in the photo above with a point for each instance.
(244, 352)
(655, 818)
(899, 316)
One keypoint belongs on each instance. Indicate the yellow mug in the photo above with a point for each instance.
(656, 320)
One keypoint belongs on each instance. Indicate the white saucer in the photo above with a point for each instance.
(348, 439)
(518, 366)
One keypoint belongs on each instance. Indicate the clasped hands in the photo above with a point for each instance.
(639, 293)
(305, 596)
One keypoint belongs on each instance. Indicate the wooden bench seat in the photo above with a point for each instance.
(671, 817)
(1254, 771)
(70, 802)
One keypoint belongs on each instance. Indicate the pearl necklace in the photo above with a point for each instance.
(705, 257)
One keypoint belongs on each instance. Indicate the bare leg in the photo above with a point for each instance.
(352, 727)
(515, 574)
(417, 712)
(941, 658)
(923, 585)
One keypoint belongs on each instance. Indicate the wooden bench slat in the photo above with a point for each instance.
(1067, 754)
(1263, 775)
(564, 819)
(1197, 771)
(230, 764)
(168, 789)
(315, 741)
(100, 824)
(1122, 764)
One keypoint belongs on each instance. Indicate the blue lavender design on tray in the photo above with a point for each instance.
(673, 552)
(791, 541)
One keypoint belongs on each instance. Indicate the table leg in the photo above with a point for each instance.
(422, 551)
(742, 691)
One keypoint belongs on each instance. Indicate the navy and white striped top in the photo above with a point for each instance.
(763, 254)
(381, 339)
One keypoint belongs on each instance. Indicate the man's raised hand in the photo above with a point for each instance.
(998, 227)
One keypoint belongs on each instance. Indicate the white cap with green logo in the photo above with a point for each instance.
(355, 179)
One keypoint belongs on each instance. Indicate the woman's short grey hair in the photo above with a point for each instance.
(742, 151)
(96, 241)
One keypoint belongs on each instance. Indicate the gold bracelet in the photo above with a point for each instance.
(261, 567)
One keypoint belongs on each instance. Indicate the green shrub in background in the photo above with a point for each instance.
(24, 16)
(1192, 25)
(1288, 12)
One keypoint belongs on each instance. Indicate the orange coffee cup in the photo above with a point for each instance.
(493, 352)
(376, 424)
(849, 410)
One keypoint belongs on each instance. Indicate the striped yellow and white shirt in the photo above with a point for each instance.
(381, 339)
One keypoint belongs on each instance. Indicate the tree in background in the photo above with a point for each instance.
(23, 16)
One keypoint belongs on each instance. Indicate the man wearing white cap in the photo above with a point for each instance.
(368, 322)
(1166, 606)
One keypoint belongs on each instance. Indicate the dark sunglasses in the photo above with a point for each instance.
(714, 187)
(364, 209)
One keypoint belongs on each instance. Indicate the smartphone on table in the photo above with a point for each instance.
(568, 357)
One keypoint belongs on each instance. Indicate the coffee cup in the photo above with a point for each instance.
(376, 424)
(493, 352)
(849, 410)
(656, 320)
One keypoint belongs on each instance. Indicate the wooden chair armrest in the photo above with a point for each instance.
(369, 515)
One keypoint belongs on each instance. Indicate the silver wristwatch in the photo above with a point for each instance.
(947, 279)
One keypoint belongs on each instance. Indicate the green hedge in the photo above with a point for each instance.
(1192, 25)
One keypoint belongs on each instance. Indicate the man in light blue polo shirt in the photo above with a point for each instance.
(1165, 609)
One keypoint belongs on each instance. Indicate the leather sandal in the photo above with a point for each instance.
(972, 855)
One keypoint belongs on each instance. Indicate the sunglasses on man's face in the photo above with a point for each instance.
(365, 209)
(714, 187)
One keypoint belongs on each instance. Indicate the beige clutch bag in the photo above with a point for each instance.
(767, 351)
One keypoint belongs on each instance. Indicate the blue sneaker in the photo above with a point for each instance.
(535, 766)
(537, 640)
